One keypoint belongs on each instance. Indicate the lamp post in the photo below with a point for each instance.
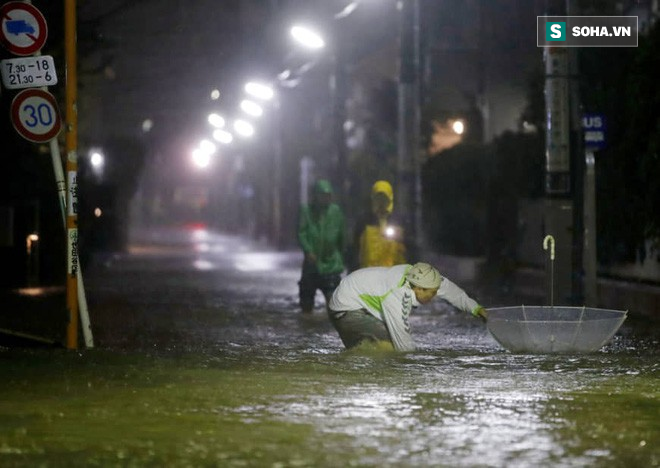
(265, 92)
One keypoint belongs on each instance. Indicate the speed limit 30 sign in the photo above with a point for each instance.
(35, 115)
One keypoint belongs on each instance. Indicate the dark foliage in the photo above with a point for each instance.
(623, 85)
(471, 194)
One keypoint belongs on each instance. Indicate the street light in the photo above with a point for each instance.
(216, 120)
(207, 146)
(307, 37)
(259, 90)
(243, 128)
(265, 92)
(251, 108)
(201, 158)
(97, 160)
(222, 136)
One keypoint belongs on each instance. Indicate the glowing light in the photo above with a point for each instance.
(215, 94)
(216, 120)
(207, 147)
(201, 158)
(97, 212)
(29, 240)
(251, 108)
(389, 231)
(243, 128)
(259, 90)
(203, 265)
(223, 136)
(147, 125)
(458, 127)
(256, 262)
(307, 37)
(96, 159)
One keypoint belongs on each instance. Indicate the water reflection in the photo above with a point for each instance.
(216, 367)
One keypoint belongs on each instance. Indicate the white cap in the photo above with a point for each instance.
(424, 275)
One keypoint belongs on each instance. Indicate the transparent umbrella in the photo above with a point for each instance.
(553, 329)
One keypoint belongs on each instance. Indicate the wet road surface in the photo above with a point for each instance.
(203, 359)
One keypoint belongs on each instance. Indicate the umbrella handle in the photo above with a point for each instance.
(551, 240)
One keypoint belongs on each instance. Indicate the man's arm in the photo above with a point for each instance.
(453, 294)
(303, 231)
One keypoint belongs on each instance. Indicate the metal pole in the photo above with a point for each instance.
(558, 209)
(577, 169)
(339, 89)
(277, 177)
(71, 146)
(590, 251)
(61, 193)
(408, 163)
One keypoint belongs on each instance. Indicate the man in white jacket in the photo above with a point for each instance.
(374, 304)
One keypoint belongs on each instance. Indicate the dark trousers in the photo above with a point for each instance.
(357, 326)
(310, 281)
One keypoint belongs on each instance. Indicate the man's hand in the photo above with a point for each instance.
(481, 313)
(310, 258)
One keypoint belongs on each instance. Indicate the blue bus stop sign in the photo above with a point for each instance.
(593, 126)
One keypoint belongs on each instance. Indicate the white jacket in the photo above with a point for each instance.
(386, 294)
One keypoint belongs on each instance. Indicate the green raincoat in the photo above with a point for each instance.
(321, 232)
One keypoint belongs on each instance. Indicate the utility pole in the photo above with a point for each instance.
(339, 89)
(409, 185)
(577, 169)
(558, 208)
(71, 146)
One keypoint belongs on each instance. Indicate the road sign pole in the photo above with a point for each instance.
(71, 146)
(589, 252)
(61, 194)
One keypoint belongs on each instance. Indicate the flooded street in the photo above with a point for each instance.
(203, 359)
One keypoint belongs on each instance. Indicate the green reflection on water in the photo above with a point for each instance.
(302, 409)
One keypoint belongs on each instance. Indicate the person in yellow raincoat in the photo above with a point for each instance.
(378, 239)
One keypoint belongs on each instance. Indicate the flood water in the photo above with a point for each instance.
(203, 359)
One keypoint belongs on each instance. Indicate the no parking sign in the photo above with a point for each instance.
(35, 115)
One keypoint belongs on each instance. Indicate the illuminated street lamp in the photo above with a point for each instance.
(265, 92)
(97, 163)
(243, 128)
(223, 136)
(251, 108)
(207, 147)
(307, 38)
(259, 90)
(201, 158)
(216, 120)
(97, 160)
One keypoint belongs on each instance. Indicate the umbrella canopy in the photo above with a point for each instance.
(553, 329)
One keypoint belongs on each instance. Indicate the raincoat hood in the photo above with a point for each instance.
(384, 187)
(323, 186)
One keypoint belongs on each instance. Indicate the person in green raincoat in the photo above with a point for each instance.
(321, 236)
